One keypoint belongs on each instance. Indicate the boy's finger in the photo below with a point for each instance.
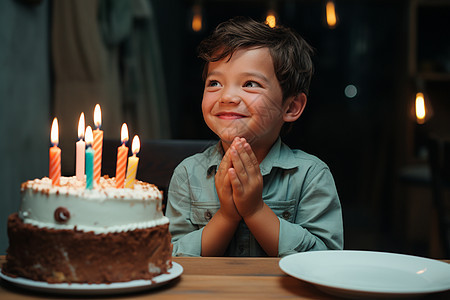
(249, 159)
(224, 164)
(238, 165)
(236, 184)
(249, 150)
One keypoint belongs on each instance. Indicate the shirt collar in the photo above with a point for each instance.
(279, 156)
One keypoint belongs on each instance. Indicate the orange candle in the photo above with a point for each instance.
(98, 143)
(55, 155)
(80, 149)
(122, 153)
(132, 163)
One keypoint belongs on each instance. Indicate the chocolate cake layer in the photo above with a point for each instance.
(74, 256)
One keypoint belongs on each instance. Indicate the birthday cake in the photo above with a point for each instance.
(69, 234)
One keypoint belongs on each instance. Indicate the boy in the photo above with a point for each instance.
(251, 195)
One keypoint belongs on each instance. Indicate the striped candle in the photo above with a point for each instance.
(89, 159)
(122, 153)
(55, 155)
(132, 164)
(98, 143)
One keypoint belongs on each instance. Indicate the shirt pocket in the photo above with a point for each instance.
(202, 212)
(284, 209)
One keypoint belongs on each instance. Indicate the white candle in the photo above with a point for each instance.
(80, 149)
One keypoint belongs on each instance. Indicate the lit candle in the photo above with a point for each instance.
(55, 155)
(132, 163)
(89, 159)
(122, 153)
(98, 143)
(80, 149)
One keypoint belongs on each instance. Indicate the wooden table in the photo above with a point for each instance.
(215, 278)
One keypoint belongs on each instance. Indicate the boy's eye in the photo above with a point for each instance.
(213, 83)
(251, 84)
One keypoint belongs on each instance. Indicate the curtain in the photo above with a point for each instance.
(107, 52)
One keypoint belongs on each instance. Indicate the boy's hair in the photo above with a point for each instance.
(290, 53)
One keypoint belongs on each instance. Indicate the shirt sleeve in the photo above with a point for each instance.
(186, 237)
(318, 222)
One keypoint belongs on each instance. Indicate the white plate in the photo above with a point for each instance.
(364, 273)
(96, 289)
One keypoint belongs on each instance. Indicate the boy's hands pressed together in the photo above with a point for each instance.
(247, 185)
(245, 178)
(220, 229)
(224, 189)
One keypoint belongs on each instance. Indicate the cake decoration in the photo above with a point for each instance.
(61, 215)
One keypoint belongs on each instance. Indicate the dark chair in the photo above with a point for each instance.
(439, 160)
(157, 159)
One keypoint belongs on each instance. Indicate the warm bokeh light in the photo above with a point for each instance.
(97, 116)
(197, 19)
(124, 133)
(81, 126)
(420, 108)
(89, 136)
(271, 19)
(331, 14)
(54, 133)
(136, 145)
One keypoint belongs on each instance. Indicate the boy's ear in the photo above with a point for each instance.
(294, 107)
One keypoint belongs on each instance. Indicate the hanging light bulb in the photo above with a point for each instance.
(197, 18)
(271, 19)
(421, 111)
(331, 15)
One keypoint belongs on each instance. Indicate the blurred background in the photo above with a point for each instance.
(138, 60)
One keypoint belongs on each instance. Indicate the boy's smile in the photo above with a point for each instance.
(243, 98)
(229, 115)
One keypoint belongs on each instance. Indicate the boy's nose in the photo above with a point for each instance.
(228, 98)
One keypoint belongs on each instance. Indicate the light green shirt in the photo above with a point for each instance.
(297, 186)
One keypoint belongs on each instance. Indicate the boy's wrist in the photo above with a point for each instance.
(227, 217)
(255, 212)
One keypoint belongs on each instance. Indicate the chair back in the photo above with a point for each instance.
(157, 159)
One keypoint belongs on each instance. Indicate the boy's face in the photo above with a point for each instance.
(243, 98)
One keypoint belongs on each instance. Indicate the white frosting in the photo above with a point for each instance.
(103, 209)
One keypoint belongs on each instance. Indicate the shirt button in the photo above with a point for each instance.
(208, 215)
(286, 215)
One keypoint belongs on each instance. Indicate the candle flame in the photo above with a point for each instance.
(420, 108)
(271, 19)
(136, 145)
(89, 136)
(81, 126)
(331, 14)
(54, 133)
(124, 133)
(97, 116)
